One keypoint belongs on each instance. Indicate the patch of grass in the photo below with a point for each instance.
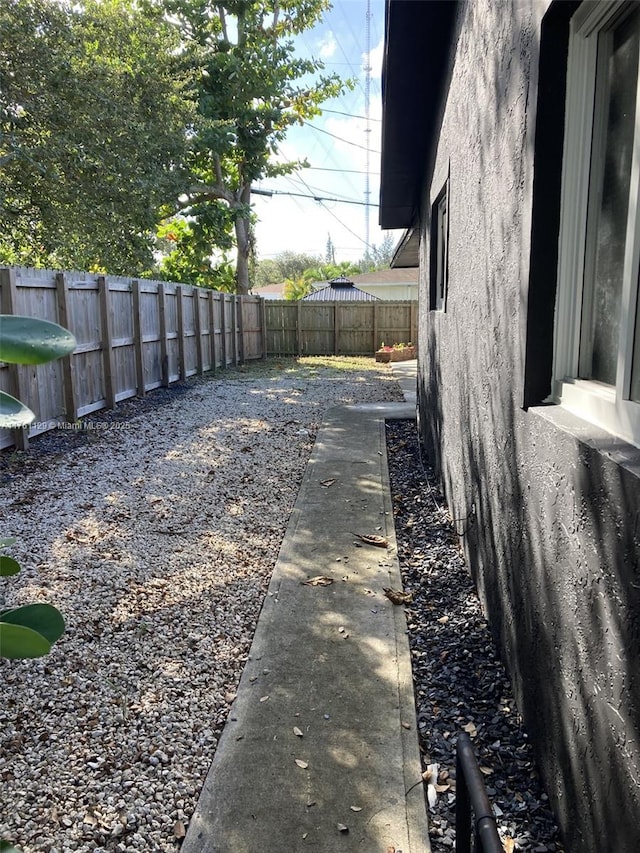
(303, 367)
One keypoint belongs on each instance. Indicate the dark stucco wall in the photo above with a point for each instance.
(554, 545)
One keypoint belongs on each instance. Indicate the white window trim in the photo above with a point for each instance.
(441, 248)
(609, 407)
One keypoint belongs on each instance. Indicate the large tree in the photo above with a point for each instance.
(92, 132)
(250, 88)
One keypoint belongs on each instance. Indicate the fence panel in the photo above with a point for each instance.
(133, 336)
(337, 328)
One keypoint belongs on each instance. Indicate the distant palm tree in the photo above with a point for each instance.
(296, 288)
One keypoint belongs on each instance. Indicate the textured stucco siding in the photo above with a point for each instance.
(554, 544)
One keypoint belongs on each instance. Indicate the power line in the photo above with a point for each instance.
(349, 115)
(346, 171)
(340, 138)
(318, 198)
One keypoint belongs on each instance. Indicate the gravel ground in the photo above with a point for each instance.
(460, 683)
(155, 531)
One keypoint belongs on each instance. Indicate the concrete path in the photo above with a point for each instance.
(321, 748)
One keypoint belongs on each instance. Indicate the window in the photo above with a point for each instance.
(440, 249)
(597, 341)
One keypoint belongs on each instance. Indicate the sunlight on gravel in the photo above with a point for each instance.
(155, 532)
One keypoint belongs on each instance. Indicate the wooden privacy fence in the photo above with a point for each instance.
(337, 328)
(133, 336)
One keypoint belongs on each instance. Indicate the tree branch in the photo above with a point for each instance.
(223, 22)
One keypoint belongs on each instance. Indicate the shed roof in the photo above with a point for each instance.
(340, 290)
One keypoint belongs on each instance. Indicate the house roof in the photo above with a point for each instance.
(415, 68)
(340, 290)
(388, 276)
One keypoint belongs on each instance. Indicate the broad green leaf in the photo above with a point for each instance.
(42, 618)
(27, 340)
(18, 642)
(6, 541)
(13, 413)
(7, 847)
(8, 566)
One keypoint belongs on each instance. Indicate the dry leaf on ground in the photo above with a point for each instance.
(179, 829)
(373, 539)
(302, 764)
(327, 483)
(397, 596)
(318, 580)
(297, 732)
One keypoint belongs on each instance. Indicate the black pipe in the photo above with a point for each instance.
(471, 794)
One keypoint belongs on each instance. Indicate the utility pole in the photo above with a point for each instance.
(367, 113)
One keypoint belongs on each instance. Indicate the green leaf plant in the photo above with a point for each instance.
(28, 631)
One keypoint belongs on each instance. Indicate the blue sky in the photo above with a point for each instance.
(301, 224)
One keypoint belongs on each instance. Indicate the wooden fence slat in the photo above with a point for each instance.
(68, 367)
(182, 367)
(107, 341)
(137, 339)
(197, 325)
(240, 330)
(212, 328)
(164, 341)
(223, 327)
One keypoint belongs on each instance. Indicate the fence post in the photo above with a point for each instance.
(68, 371)
(263, 326)
(107, 341)
(413, 322)
(212, 328)
(239, 300)
(164, 343)
(182, 367)
(137, 338)
(234, 327)
(223, 329)
(16, 376)
(197, 325)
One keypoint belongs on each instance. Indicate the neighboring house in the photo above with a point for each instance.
(511, 156)
(270, 291)
(339, 290)
(389, 284)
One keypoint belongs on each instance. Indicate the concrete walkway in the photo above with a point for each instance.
(320, 747)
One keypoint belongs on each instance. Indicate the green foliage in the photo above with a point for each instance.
(293, 264)
(28, 631)
(250, 89)
(297, 288)
(325, 272)
(188, 247)
(92, 132)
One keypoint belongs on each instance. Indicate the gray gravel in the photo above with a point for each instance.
(460, 683)
(155, 531)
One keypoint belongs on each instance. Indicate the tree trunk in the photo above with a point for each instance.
(243, 240)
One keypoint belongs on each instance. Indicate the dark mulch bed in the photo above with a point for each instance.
(459, 679)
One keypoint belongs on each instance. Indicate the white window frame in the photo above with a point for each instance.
(607, 406)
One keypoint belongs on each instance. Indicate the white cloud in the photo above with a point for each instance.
(328, 46)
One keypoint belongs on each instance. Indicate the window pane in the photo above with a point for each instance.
(601, 317)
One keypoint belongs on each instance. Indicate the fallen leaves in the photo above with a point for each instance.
(471, 729)
(342, 827)
(302, 764)
(328, 483)
(397, 596)
(318, 580)
(179, 829)
(298, 732)
(373, 539)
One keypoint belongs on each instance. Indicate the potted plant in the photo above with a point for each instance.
(397, 352)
